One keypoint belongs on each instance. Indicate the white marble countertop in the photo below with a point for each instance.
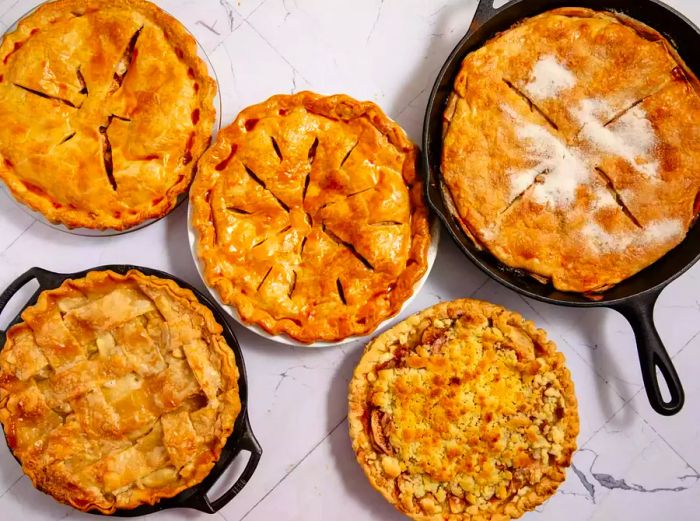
(632, 463)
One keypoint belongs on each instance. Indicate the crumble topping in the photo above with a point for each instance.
(467, 410)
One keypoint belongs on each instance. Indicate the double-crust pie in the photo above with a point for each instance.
(464, 411)
(117, 391)
(571, 147)
(105, 109)
(310, 217)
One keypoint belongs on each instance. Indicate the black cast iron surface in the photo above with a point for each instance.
(241, 439)
(635, 297)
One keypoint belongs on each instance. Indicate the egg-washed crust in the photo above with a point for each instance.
(80, 431)
(310, 216)
(464, 411)
(91, 140)
(614, 58)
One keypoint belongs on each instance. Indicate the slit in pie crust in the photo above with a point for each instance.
(310, 216)
(570, 147)
(117, 391)
(463, 411)
(105, 108)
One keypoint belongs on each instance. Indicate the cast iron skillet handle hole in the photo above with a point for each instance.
(653, 357)
(247, 443)
(16, 286)
(484, 12)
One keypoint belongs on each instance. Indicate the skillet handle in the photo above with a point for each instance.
(247, 442)
(484, 12)
(639, 312)
(33, 273)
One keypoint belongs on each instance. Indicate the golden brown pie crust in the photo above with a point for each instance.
(464, 411)
(117, 391)
(571, 147)
(106, 108)
(310, 216)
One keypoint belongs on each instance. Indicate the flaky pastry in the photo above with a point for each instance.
(571, 145)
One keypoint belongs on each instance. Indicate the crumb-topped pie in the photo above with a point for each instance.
(310, 218)
(105, 109)
(117, 391)
(464, 411)
(571, 145)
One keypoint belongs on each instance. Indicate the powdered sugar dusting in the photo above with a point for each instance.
(519, 181)
(659, 232)
(603, 199)
(559, 168)
(631, 137)
(663, 231)
(549, 77)
(565, 169)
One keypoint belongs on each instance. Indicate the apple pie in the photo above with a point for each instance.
(310, 217)
(105, 109)
(570, 148)
(464, 411)
(117, 391)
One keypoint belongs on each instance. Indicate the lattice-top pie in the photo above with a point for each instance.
(464, 411)
(310, 217)
(571, 147)
(105, 108)
(117, 391)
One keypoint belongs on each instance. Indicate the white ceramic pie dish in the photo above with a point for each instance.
(284, 339)
(88, 232)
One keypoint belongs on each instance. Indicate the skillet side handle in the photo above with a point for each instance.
(246, 442)
(484, 12)
(639, 313)
(13, 288)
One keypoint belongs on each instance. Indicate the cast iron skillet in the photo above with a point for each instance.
(635, 297)
(241, 438)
